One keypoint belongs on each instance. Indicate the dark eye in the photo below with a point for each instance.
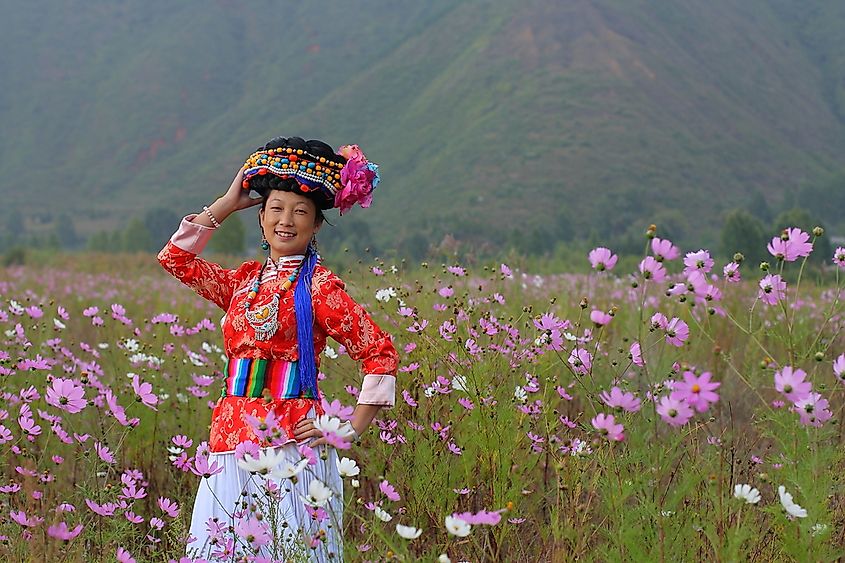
(275, 209)
(301, 211)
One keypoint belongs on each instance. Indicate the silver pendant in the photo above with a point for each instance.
(265, 319)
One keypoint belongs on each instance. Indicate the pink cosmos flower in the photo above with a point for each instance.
(772, 289)
(124, 556)
(839, 368)
(731, 272)
(60, 531)
(813, 410)
(696, 391)
(602, 259)
(168, 506)
(677, 332)
(106, 509)
(791, 383)
(144, 391)
(839, 257)
(488, 518)
(389, 491)
(651, 269)
(791, 245)
(673, 411)
(103, 452)
(700, 261)
(600, 317)
(619, 399)
(132, 517)
(606, 425)
(336, 408)
(659, 320)
(205, 469)
(664, 249)
(66, 395)
(581, 361)
(21, 518)
(548, 321)
(636, 354)
(182, 441)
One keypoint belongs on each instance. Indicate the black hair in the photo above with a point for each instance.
(269, 182)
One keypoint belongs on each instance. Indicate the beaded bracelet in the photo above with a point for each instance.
(210, 216)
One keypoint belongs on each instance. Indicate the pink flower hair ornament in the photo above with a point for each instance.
(359, 178)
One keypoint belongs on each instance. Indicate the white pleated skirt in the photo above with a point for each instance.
(224, 495)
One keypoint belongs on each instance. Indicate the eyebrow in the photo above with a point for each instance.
(279, 200)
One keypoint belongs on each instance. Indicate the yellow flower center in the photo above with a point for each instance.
(696, 388)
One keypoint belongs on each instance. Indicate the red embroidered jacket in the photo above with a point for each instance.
(336, 314)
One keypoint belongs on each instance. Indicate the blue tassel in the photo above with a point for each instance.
(307, 365)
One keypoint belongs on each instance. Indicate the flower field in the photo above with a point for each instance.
(679, 410)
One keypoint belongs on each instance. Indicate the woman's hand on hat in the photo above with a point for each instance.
(236, 197)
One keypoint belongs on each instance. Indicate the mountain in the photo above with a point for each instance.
(492, 121)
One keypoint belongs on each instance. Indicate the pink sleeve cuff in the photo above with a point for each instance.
(378, 390)
(191, 237)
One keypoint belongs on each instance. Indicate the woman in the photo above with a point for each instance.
(279, 313)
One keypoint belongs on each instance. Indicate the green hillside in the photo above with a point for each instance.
(492, 121)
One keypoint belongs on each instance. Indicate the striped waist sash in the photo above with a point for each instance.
(247, 377)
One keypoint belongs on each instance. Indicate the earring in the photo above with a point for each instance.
(314, 242)
(264, 244)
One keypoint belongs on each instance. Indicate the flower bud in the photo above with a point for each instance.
(764, 266)
(711, 311)
(738, 257)
(652, 230)
(784, 235)
(818, 231)
(635, 284)
(584, 303)
(819, 356)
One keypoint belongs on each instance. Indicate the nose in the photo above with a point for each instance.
(286, 218)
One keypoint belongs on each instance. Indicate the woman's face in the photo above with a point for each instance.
(288, 221)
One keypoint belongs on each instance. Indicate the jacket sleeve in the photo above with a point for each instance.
(179, 258)
(342, 318)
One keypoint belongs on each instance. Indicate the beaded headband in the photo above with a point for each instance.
(334, 183)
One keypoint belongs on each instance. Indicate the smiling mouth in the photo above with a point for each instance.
(285, 235)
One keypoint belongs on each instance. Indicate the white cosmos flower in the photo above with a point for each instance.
(408, 532)
(569, 336)
(430, 392)
(175, 452)
(355, 483)
(58, 324)
(385, 294)
(318, 494)
(443, 558)
(383, 515)
(747, 493)
(457, 527)
(132, 345)
(459, 383)
(347, 467)
(286, 469)
(330, 353)
(266, 462)
(818, 529)
(791, 508)
(519, 394)
(333, 424)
